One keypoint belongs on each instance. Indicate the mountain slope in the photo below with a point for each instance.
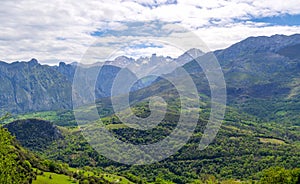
(14, 166)
(264, 80)
(30, 86)
(261, 74)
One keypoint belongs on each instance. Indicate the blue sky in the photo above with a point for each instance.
(63, 30)
(282, 20)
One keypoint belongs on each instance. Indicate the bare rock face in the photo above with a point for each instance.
(29, 86)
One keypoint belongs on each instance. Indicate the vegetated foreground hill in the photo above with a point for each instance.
(19, 166)
(14, 166)
(34, 133)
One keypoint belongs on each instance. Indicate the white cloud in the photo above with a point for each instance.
(221, 37)
(61, 29)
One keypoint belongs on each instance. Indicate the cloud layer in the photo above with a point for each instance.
(63, 30)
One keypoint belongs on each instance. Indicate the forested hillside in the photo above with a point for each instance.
(14, 166)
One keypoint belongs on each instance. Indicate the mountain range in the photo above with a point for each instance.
(31, 86)
(257, 67)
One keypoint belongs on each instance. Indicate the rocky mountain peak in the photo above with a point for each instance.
(189, 56)
(33, 62)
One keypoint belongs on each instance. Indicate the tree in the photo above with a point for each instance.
(276, 175)
(6, 116)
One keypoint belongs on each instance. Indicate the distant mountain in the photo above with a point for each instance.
(266, 66)
(257, 61)
(30, 86)
(260, 44)
(189, 55)
(121, 61)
